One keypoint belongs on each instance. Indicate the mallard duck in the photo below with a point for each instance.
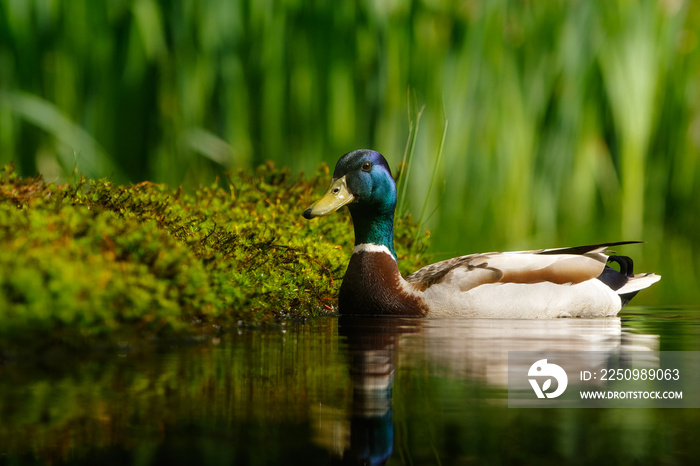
(545, 283)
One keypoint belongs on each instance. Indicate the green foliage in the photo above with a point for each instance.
(93, 259)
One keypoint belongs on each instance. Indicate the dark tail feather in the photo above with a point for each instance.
(616, 280)
(586, 249)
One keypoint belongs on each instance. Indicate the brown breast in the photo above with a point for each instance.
(373, 285)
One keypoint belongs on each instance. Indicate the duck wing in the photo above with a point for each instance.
(559, 265)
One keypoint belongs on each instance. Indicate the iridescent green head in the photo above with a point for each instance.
(362, 180)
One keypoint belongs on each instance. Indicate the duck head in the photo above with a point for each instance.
(362, 180)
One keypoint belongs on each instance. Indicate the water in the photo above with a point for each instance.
(403, 391)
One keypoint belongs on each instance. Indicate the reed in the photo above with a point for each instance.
(570, 122)
(436, 167)
(404, 172)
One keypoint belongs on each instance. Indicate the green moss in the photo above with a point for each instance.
(95, 261)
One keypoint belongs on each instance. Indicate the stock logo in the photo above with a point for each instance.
(541, 369)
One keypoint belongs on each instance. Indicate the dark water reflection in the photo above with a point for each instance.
(394, 391)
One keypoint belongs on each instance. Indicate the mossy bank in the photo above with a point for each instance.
(91, 261)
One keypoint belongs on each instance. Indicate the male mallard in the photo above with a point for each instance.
(547, 283)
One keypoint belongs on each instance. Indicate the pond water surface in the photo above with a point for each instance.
(377, 391)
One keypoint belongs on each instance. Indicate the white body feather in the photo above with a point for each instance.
(545, 300)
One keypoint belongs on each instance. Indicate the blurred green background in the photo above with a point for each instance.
(570, 122)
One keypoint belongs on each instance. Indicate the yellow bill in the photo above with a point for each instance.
(336, 197)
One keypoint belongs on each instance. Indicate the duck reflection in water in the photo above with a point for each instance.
(371, 343)
(471, 349)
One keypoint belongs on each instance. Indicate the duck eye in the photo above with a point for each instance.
(367, 166)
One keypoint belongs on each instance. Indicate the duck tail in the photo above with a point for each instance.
(625, 283)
